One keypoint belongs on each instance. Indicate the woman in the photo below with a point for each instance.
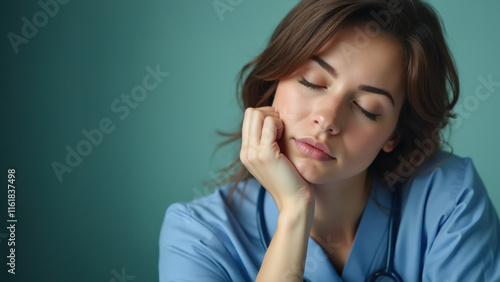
(343, 177)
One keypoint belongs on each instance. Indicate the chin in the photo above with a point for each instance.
(311, 171)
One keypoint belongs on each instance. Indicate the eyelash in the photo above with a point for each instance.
(306, 83)
(369, 115)
(366, 113)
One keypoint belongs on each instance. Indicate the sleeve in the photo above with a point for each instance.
(466, 246)
(189, 250)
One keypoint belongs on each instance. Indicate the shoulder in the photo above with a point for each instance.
(443, 183)
(448, 194)
(446, 179)
(448, 165)
(447, 210)
(222, 203)
(204, 235)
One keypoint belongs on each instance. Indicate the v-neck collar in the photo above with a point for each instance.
(369, 247)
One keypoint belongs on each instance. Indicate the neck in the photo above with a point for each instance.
(338, 209)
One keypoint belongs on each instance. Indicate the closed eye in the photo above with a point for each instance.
(367, 113)
(306, 83)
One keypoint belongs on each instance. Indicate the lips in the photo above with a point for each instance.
(313, 148)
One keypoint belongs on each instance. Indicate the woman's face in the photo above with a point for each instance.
(348, 97)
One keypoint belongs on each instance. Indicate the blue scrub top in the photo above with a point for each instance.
(449, 231)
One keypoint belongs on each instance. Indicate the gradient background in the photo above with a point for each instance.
(105, 216)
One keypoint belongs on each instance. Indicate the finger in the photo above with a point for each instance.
(280, 128)
(269, 130)
(268, 111)
(278, 122)
(255, 130)
(256, 123)
(267, 108)
(245, 127)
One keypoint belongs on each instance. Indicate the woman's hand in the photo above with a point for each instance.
(261, 155)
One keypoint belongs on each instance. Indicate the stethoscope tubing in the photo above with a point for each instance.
(261, 221)
(395, 214)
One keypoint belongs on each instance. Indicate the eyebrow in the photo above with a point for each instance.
(365, 88)
(325, 66)
(375, 90)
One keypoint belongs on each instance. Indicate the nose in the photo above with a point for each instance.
(327, 115)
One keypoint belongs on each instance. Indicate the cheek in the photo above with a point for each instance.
(289, 103)
(366, 143)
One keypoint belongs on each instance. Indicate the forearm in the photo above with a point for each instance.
(285, 257)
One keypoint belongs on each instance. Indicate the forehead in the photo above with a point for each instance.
(373, 60)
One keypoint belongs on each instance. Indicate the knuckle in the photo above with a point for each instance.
(243, 158)
(258, 114)
(243, 151)
(251, 154)
(254, 155)
(248, 111)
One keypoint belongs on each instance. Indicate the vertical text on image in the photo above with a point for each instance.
(11, 221)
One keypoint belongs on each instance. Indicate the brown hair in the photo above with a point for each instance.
(431, 79)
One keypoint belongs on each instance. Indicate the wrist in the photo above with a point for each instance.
(297, 215)
(300, 202)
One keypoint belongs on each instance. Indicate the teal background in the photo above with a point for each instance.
(105, 216)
